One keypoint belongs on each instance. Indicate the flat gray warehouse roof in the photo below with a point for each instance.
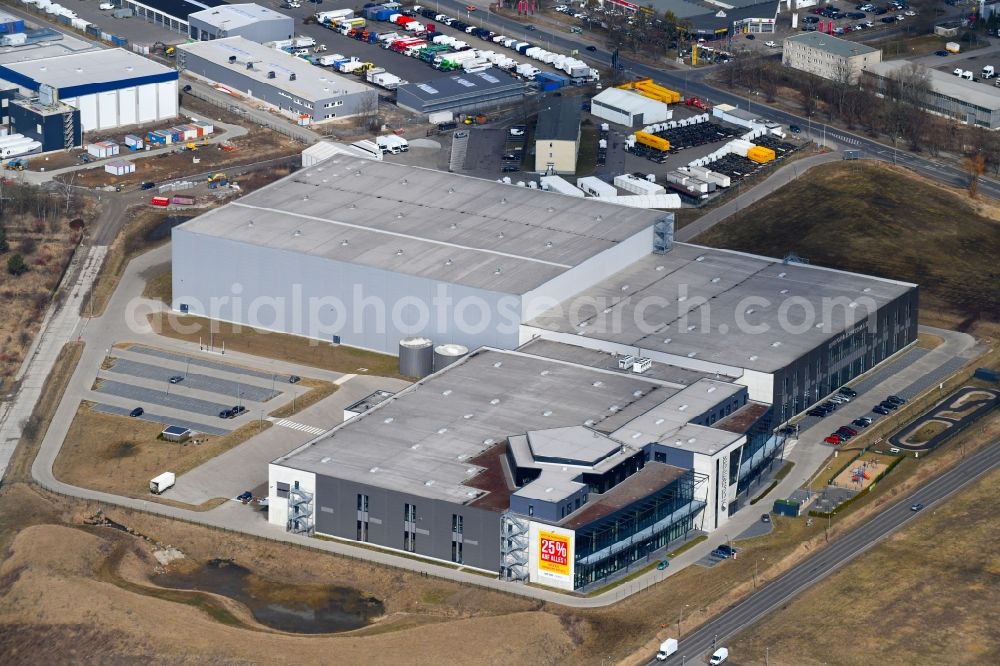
(236, 16)
(949, 85)
(734, 304)
(420, 441)
(310, 82)
(420, 222)
(843, 48)
(559, 120)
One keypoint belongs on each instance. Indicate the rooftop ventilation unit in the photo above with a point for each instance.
(291, 77)
(625, 362)
(641, 365)
(232, 60)
(270, 75)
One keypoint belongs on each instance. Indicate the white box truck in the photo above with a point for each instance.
(161, 483)
(667, 648)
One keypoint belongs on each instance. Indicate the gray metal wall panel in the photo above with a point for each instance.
(206, 268)
(481, 529)
(231, 76)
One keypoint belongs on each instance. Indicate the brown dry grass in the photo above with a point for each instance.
(929, 340)
(47, 250)
(939, 606)
(318, 390)
(160, 287)
(71, 593)
(900, 226)
(118, 454)
(292, 348)
(927, 432)
(132, 240)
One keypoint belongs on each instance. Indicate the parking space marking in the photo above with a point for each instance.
(340, 381)
(312, 430)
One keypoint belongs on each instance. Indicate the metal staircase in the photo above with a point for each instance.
(300, 512)
(459, 149)
(68, 126)
(514, 547)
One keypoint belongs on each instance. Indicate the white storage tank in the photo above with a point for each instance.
(445, 355)
(416, 357)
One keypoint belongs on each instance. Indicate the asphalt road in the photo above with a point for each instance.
(691, 82)
(829, 559)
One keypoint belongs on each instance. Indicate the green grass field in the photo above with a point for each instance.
(877, 220)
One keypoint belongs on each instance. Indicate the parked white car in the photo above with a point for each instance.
(771, 45)
(106, 5)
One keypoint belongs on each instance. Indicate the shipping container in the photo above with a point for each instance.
(179, 200)
(160, 201)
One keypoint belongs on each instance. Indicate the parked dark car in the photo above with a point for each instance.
(916, 507)
(148, 185)
(245, 496)
(225, 414)
(891, 406)
(750, 35)
(848, 391)
(861, 423)
(176, 379)
(766, 518)
(236, 411)
(591, 48)
(879, 409)
(816, 411)
(795, 129)
(138, 411)
(294, 379)
(895, 399)
(663, 564)
(942, 54)
(186, 88)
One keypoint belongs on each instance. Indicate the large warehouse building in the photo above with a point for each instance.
(111, 88)
(286, 83)
(254, 22)
(622, 389)
(513, 463)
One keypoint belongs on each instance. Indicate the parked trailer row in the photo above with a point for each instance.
(407, 22)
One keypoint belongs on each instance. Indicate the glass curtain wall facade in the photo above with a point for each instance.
(628, 535)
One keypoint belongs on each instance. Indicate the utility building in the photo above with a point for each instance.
(254, 22)
(629, 108)
(557, 136)
(111, 88)
(286, 83)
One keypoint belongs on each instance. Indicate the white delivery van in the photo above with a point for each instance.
(719, 656)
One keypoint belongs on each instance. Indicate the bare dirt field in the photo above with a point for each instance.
(257, 145)
(120, 455)
(925, 596)
(883, 221)
(44, 232)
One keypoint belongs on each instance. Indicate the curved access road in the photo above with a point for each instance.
(691, 82)
(829, 559)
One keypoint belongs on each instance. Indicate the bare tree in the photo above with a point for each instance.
(368, 116)
(974, 166)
